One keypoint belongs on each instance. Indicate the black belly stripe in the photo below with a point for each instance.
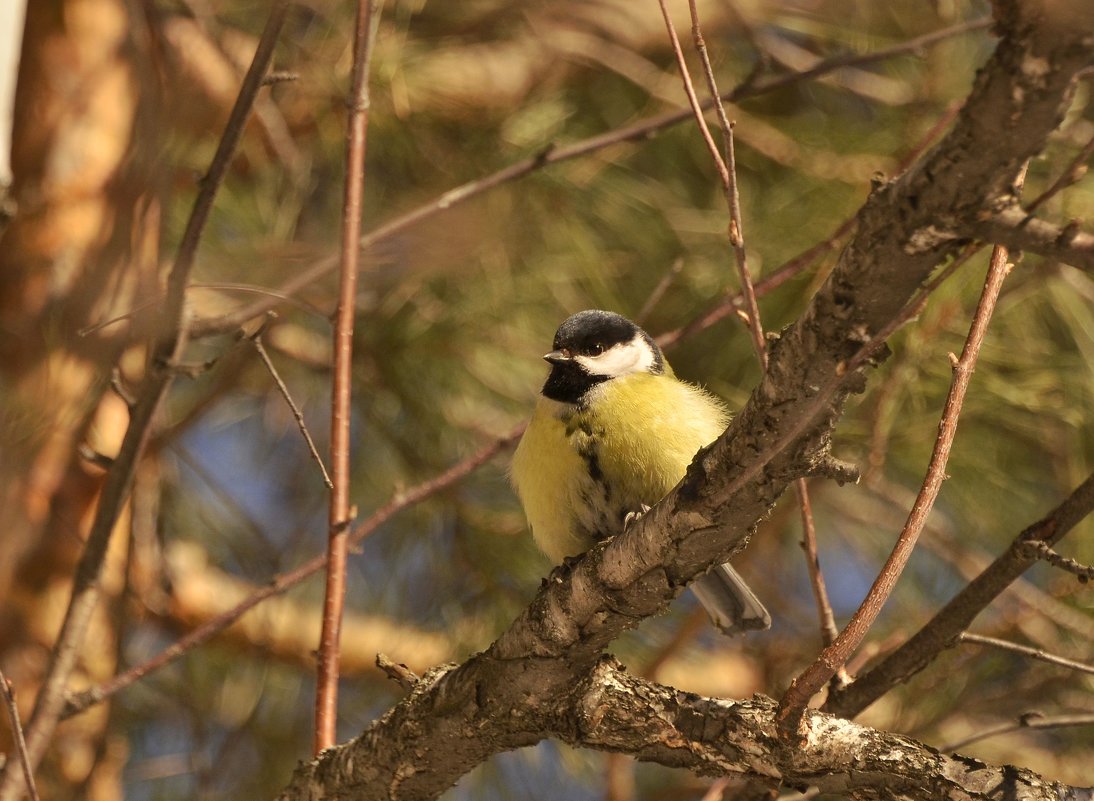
(595, 473)
(596, 494)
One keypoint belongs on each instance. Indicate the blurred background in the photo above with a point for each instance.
(119, 107)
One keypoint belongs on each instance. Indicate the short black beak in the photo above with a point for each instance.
(558, 357)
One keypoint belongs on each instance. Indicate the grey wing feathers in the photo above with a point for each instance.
(732, 606)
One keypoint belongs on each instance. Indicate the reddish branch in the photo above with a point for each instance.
(340, 516)
(835, 656)
(827, 620)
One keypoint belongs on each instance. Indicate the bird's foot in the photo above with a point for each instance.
(632, 517)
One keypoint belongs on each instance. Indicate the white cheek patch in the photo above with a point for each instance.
(619, 360)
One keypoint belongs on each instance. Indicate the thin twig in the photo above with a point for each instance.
(795, 265)
(639, 131)
(233, 286)
(737, 240)
(87, 330)
(165, 352)
(289, 579)
(805, 686)
(17, 735)
(226, 285)
(732, 302)
(693, 99)
(1045, 552)
(816, 577)
(731, 189)
(260, 349)
(946, 626)
(969, 562)
(340, 517)
(280, 76)
(728, 172)
(1032, 720)
(1025, 650)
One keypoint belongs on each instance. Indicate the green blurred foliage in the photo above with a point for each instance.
(455, 311)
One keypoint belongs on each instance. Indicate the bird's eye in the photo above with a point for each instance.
(596, 349)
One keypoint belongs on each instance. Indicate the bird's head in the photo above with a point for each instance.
(595, 346)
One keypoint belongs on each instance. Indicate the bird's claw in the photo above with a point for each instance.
(633, 517)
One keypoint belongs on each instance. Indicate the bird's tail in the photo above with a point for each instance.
(732, 606)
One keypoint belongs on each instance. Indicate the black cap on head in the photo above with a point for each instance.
(589, 333)
(594, 331)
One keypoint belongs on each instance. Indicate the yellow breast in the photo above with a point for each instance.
(580, 470)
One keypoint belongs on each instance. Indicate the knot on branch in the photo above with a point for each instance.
(397, 671)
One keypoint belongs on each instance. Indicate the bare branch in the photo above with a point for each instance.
(340, 517)
(728, 171)
(1032, 720)
(659, 290)
(1045, 552)
(816, 577)
(260, 349)
(1032, 653)
(1071, 174)
(1019, 230)
(835, 656)
(689, 90)
(397, 672)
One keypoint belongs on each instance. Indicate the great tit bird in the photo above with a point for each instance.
(613, 431)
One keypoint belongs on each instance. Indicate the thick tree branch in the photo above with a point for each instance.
(711, 736)
(611, 710)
